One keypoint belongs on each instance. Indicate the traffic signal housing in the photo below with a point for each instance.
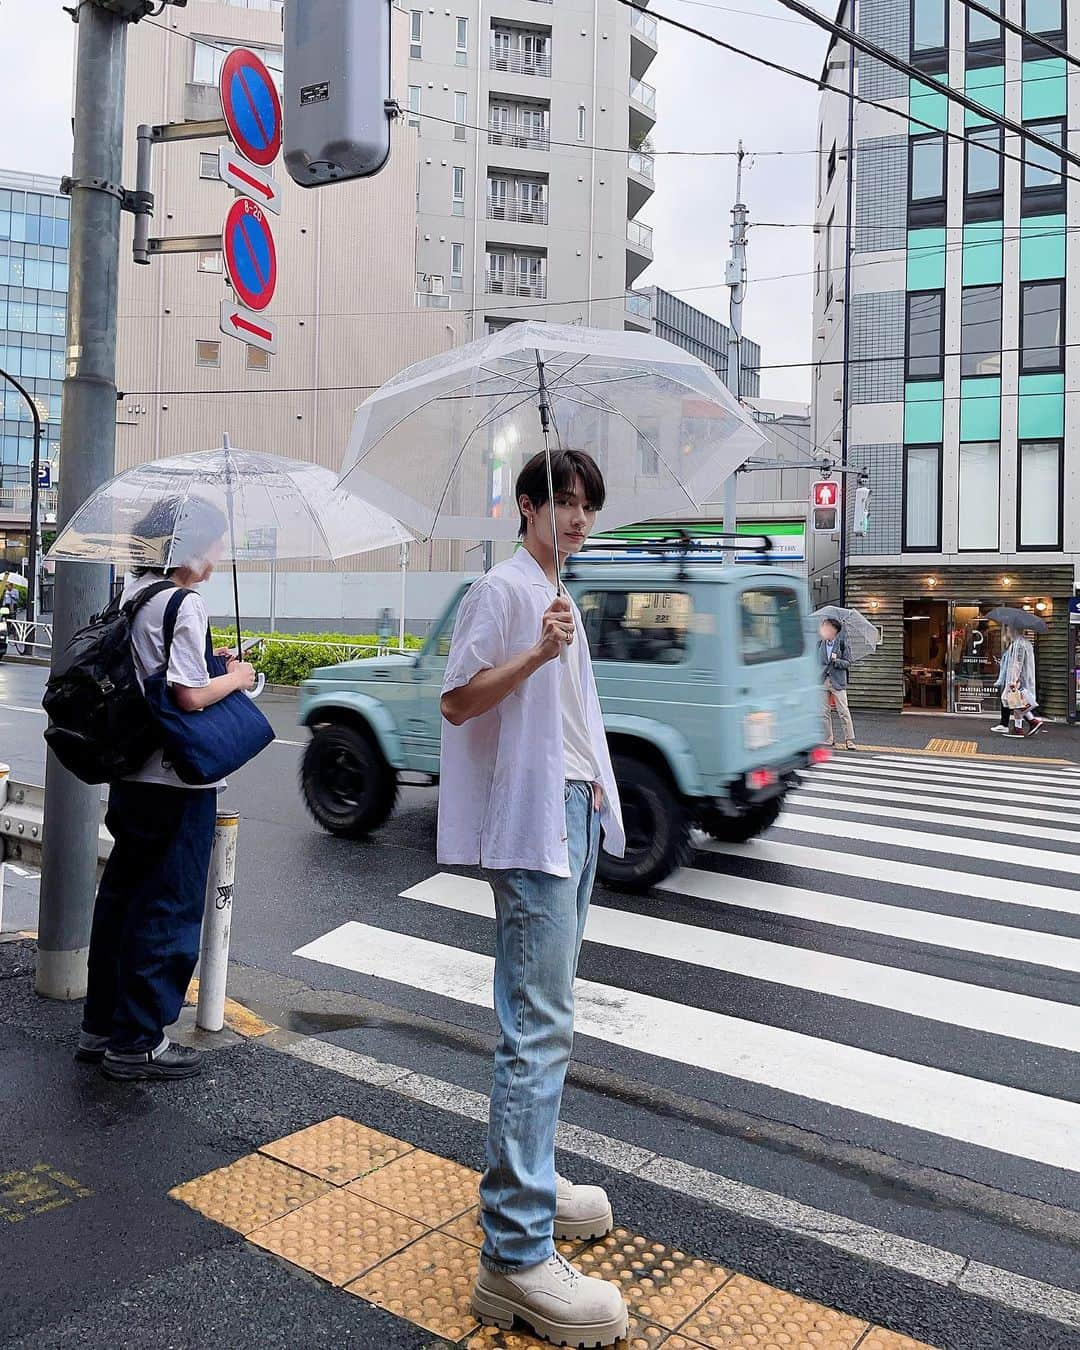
(825, 507)
(337, 106)
(860, 515)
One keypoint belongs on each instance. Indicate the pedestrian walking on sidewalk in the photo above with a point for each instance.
(1016, 684)
(147, 918)
(835, 664)
(527, 791)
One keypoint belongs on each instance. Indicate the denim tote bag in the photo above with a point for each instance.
(204, 747)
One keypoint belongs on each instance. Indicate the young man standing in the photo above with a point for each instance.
(526, 789)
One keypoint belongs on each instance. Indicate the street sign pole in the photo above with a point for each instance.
(88, 444)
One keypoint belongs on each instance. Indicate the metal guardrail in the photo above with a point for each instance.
(517, 62)
(639, 235)
(496, 285)
(518, 136)
(643, 93)
(645, 25)
(432, 300)
(641, 305)
(643, 165)
(521, 210)
(22, 823)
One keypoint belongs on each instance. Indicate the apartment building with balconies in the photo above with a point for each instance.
(532, 122)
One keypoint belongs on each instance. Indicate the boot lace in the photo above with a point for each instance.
(564, 1271)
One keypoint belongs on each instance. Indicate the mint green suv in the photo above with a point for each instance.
(708, 682)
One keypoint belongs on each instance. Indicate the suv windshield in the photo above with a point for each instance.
(770, 625)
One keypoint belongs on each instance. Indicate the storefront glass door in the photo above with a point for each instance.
(974, 659)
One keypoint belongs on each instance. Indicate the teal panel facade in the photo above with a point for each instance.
(982, 253)
(1044, 92)
(926, 259)
(1042, 248)
(980, 409)
(923, 412)
(927, 105)
(986, 85)
(1041, 413)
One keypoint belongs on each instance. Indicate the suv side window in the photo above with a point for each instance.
(770, 625)
(637, 625)
(438, 645)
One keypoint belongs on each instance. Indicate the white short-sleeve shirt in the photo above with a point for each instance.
(503, 774)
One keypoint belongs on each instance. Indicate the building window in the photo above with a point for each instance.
(829, 232)
(979, 490)
(1040, 499)
(929, 34)
(257, 359)
(922, 499)
(208, 165)
(925, 335)
(461, 109)
(207, 353)
(926, 188)
(210, 262)
(980, 330)
(414, 105)
(985, 38)
(457, 266)
(209, 57)
(458, 191)
(1046, 17)
(1044, 183)
(983, 175)
(830, 167)
(416, 32)
(581, 122)
(1042, 326)
(462, 49)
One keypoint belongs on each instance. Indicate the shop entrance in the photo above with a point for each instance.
(952, 655)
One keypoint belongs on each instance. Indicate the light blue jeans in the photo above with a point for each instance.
(540, 921)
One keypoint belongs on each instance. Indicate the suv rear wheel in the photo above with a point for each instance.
(748, 825)
(348, 786)
(657, 828)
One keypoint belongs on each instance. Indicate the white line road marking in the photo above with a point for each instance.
(897, 781)
(279, 741)
(910, 925)
(807, 803)
(975, 885)
(985, 850)
(14, 707)
(933, 1264)
(1031, 813)
(1005, 775)
(994, 1011)
(1008, 1120)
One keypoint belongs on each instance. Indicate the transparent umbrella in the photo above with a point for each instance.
(440, 445)
(861, 635)
(259, 507)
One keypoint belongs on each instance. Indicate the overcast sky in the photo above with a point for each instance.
(707, 99)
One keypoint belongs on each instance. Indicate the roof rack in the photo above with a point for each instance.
(678, 547)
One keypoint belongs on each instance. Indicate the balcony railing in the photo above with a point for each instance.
(16, 500)
(643, 165)
(521, 210)
(498, 283)
(643, 93)
(432, 300)
(519, 136)
(639, 235)
(518, 62)
(645, 24)
(638, 304)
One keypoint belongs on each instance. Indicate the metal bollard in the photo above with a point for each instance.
(217, 924)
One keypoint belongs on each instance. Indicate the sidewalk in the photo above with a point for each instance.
(943, 734)
(274, 1202)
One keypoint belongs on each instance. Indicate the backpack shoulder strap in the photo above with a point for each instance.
(147, 593)
(172, 612)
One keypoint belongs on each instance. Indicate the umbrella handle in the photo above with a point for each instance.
(260, 685)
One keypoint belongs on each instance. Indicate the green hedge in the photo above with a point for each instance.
(286, 658)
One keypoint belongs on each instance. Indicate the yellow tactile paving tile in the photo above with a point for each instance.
(250, 1192)
(338, 1237)
(748, 1315)
(429, 1284)
(337, 1150)
(422, 1186)
(877, 1338)
(659, 1283)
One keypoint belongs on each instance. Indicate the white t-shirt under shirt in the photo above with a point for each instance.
(580, 760)
(187, 659)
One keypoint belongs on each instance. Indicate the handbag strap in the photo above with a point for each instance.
(172, 611)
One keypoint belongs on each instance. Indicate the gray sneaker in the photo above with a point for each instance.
(556, 1301)
(581, 1211)
(170, 1061)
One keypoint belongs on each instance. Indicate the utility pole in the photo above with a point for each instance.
(736, 280)
(88, 439)
(35, 525)
(845, 405)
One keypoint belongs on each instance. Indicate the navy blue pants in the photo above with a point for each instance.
(145, 940)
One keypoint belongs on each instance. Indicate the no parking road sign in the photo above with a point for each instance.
(252, 108)
(250, 256)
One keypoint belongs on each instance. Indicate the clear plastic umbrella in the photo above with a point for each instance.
(440, 445)
(262, 507)
(862, 636)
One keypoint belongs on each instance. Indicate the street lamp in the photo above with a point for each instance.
(35, 503)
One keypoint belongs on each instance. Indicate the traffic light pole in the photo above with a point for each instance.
(35, 498)
(88, 442)
(845, 406)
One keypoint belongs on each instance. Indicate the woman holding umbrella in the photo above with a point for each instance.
(1016, 678)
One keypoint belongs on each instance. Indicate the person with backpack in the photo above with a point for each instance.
(144, 943)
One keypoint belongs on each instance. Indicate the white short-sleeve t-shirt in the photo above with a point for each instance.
(187, 659)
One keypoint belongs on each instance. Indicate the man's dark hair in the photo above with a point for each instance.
(186, 526)
(834, 624)
(566, 466)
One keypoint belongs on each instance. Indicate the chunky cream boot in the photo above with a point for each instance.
(581, 1211)
(556, 1301)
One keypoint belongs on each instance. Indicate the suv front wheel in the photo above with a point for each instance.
(657, 828)
(348, 786)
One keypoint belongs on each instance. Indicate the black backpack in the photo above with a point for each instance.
(101, 728)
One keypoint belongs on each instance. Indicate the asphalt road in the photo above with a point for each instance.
(874, 1011)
